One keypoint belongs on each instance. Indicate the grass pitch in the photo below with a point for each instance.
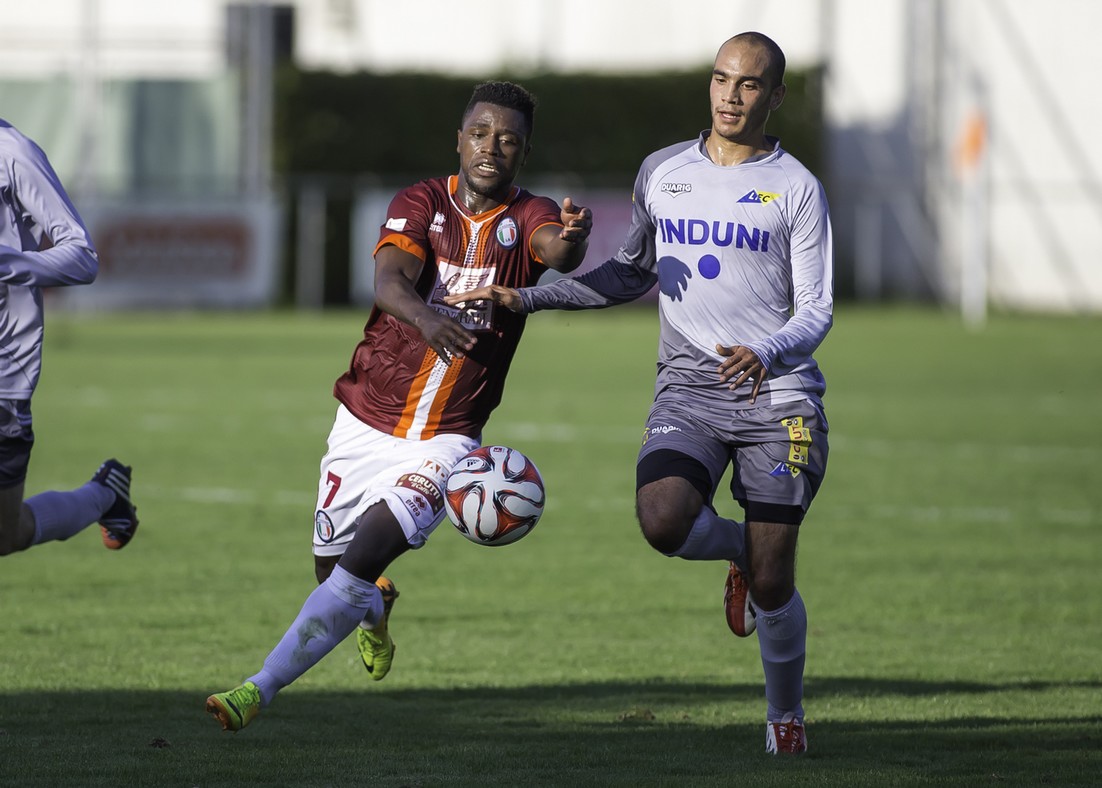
(950, 567)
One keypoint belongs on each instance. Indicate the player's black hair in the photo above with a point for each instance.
(504, 94)
(776, 55)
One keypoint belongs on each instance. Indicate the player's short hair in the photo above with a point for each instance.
(776, 54)
(504, 94)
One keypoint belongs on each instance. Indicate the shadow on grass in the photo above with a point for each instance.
(607, 734)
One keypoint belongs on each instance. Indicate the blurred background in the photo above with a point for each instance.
(241, 154)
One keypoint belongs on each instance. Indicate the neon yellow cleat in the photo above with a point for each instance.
(376, 645)
(236, 708)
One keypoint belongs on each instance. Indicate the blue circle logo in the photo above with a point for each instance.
(708, 266)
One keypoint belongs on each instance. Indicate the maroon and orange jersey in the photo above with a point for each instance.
(396, 383)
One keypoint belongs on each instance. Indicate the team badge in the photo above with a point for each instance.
(324, 526)
(507, 233)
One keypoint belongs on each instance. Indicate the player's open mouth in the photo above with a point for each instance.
(486, 168)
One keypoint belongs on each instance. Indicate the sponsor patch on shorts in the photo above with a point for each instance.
(799, 440)
(428, 493)
(662, 429)
(784, 469)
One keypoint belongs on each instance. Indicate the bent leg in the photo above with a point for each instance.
(666, 509)
(345, 597)
(49, 516)
(327, 617)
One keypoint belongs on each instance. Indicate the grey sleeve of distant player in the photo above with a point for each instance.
(812, 288)
(618, 280)
(72, 259)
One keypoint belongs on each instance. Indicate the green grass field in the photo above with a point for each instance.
(951, 569)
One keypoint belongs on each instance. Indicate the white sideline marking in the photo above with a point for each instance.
(1023, 453)
(229, 495)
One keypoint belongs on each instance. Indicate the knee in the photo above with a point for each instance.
(771, 586)
(664, 523)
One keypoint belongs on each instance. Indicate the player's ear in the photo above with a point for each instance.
(458, 140)
(776, 97)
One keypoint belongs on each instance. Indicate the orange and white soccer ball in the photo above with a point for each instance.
(494, 495)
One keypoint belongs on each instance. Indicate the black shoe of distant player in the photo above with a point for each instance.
(119, 523)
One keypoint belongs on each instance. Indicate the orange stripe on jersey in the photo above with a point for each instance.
(403, 243)
(442, 395)
(480, 247)
(416, 390)
(428, 394)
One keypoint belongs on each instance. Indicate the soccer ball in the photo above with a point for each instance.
(494, 495)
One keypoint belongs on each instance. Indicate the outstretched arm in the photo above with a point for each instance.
(560, 249)
(563, 250)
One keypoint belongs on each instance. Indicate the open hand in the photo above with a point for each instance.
(742, 364)
(498, 294)
(576, 222)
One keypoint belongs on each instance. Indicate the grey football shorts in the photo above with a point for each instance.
(778, 454)
(16, 441)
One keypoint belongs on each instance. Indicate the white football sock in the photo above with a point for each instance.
(782, 638)
(714, 538)
(329, 615)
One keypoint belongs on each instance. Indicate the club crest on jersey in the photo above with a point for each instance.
(507, 233)
(756, 196)
(676, 188)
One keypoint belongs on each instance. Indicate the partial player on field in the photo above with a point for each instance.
(419, 389)
(736, 234)
(43, 243)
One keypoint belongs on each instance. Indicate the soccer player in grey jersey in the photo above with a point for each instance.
(736, 234)
(43, 243)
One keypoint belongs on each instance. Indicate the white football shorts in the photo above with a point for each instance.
(364, 466)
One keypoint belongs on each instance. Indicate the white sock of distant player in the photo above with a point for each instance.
(714, 538)
(782, 638)
(59, 515)
(329, 615)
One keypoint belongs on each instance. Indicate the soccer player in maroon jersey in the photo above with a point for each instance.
(420, 388)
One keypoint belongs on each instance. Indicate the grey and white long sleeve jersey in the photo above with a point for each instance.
(35, 212)
(742, 256)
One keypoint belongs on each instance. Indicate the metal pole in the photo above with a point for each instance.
(310, 247)
(259, 57)
(868, 275)
(88, 100)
